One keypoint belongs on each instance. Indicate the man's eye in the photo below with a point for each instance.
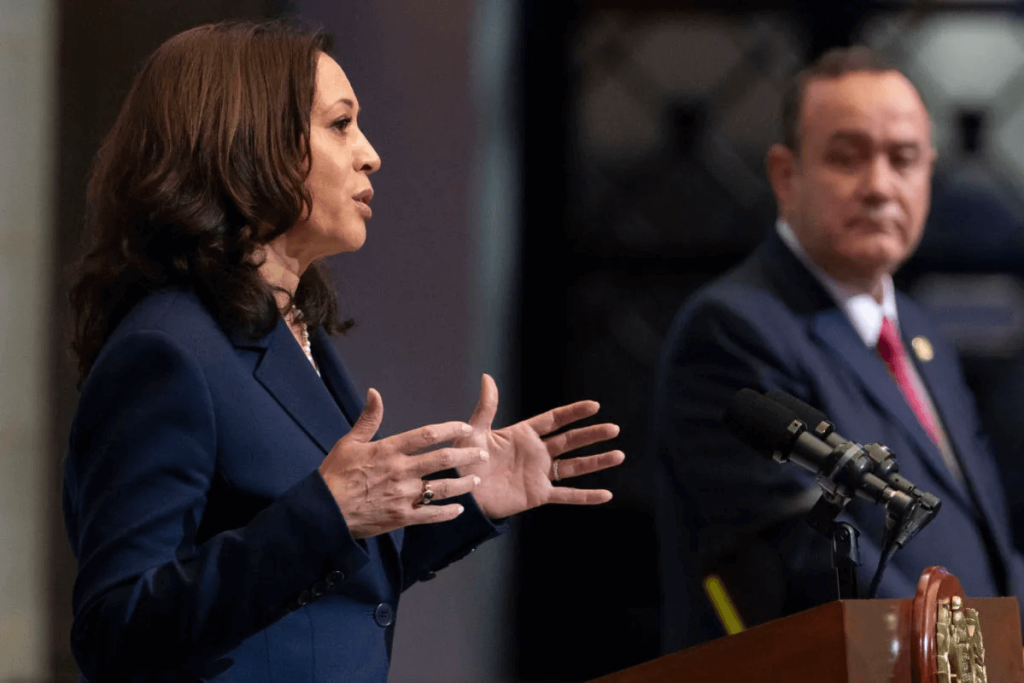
(903, 160)
(842, 158)
(342, 123)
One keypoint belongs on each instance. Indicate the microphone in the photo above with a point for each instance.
(809, 415)
(844, 469)
(885, 466)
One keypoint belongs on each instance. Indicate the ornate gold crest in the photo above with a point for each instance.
(959, 648)
(923, 349)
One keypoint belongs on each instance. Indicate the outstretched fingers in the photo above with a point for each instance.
(576, 467)
(562, 495)
(426, 511)
(578, 438)
(369, 420)
(556, 418)
(486, 405)
(432, 514)
(444, 459)
(425, 437)
(442, 489)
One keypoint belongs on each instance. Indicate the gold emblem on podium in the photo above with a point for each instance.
(923, 349)
(959, 647)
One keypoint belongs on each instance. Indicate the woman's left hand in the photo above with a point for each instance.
(520, 472)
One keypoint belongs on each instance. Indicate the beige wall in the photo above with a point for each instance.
(27, 86)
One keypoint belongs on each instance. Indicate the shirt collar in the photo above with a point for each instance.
(864, 313)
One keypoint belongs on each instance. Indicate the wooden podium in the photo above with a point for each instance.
(861, 641)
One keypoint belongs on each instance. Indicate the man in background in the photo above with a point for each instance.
(813, 312)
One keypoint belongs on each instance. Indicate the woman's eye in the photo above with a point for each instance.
(342, 123)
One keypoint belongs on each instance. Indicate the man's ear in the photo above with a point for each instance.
(781, 166)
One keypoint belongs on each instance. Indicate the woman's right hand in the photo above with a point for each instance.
(379, 486)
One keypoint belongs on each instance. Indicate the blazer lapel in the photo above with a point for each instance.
(337, 379)
(834, 331)
(290, 378)
(937, 381)
(943, 390)
(830, 327)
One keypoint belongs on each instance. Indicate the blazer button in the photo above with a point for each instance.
(384, 615)
(335, 577)
(318, 589)
(303, 599)
(428, 576)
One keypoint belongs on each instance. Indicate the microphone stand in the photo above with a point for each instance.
(845, 544)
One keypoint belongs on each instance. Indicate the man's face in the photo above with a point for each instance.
(857, 194)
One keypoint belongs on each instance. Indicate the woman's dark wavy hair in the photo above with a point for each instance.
(206, 162)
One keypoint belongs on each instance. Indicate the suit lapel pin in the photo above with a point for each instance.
(923, 349)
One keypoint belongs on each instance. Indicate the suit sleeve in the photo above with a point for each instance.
(147, 597)
(429, 548)
(744, 514)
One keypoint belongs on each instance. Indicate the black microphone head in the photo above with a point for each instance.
(807, 414)
(762, 423)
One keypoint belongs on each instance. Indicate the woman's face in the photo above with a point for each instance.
(341, 161)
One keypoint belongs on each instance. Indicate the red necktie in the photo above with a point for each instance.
(891, 349)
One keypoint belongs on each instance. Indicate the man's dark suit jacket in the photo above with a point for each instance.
(769, 324)
(208, 545)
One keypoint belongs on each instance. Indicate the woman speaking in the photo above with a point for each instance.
(233, 516)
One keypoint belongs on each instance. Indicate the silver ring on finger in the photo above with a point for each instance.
(554, 467)
(427, 495)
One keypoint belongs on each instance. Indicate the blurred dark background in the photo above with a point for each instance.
(557, 178)
(647, 148)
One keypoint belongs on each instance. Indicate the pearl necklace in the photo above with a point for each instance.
(305, 342)
(307, 348)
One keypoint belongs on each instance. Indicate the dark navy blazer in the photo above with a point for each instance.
(768, 324)
(208, 545)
